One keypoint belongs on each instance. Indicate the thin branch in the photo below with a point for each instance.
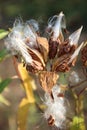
(77, 85)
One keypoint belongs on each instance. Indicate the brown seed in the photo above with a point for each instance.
(60, 95)
(50, 121)
(53, 47)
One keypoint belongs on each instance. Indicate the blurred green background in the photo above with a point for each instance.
(41, 10)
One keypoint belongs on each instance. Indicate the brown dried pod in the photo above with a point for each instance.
(66, 48)
(48, 80)
(63, 63)
(84, 55)
(69, 45)
(37, 61)
(31, 69)
(56, 24)
(53, 47)
(43, 46)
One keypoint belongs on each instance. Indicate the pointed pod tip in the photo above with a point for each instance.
(74, 37)
(80, 29)
(75, 54)
(61, 13)
(81, 26)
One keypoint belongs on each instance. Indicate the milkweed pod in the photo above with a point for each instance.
(48, 80)
(55, 24)
(59, 24)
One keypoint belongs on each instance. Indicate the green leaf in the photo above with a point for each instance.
(3, 33)
(4, 83)
(78, 123)
(3, 53)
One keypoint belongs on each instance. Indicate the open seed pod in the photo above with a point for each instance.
(70, 44)
(48, 80)
(63, 63)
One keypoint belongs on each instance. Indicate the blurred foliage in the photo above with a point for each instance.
(4, 100)
(75, 10)
(78, 123)
(3, 54)
(3, 33)
(4, 84)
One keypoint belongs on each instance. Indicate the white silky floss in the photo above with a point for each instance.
(56, 107)
(34, 24)
(15, 42)
(74, 78)
(30, 34)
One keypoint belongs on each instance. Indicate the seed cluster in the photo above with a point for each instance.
(46, 57)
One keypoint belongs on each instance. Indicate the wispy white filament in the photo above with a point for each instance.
(15, 44)
(16, 40)
(33, 23)
(29, 33)
(56, 107)
(51, 21)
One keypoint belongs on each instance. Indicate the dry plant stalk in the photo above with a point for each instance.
(46, 57)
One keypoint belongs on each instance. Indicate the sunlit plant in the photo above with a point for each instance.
(49, 59)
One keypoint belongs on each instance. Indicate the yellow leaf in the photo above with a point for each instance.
(23, 114)
(28, 83)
